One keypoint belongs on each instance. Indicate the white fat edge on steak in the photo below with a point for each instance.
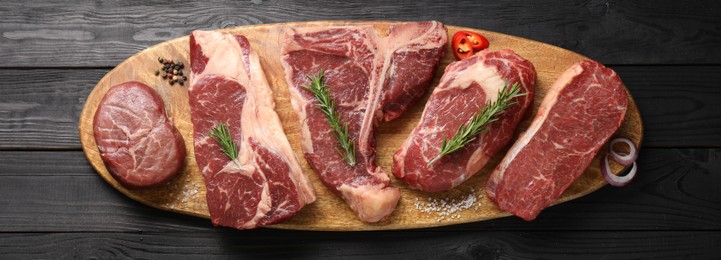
(371, 202)
(267, 128)
(543, 110)
(299, 103)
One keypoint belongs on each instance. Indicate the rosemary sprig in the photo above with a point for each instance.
(327, 106)
(479, 121)
(221, 134)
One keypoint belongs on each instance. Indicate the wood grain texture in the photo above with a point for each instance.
(40, 108)
(186, 193)
(411, 245)
(85, 33)
(676, 189)
(680, 105)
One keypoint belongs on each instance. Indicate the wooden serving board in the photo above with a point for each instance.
(185, 193)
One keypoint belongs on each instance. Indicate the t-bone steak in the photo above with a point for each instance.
(465, 87)
(580, 112)
(370, 77)
(137, 141)
(265, 184)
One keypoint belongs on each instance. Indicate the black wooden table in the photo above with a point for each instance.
(53, 204)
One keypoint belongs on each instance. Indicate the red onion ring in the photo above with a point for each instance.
(624, 158)
(615, 180)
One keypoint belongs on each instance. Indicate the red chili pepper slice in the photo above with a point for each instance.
(465, 43)
(461, 46)
(478, 42)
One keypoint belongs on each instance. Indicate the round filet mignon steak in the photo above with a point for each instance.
(137, 141)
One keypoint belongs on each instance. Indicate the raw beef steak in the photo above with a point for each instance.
(370, 78)
(580, 112)
(265, 184)
(137, 141)
(466, 85)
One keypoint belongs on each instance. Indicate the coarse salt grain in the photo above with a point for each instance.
(446, 209)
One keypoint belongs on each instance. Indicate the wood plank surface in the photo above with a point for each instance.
(40, 108)
(393, 245)
(85, 33)
(677, 189)
(53, 205)
(185, 193)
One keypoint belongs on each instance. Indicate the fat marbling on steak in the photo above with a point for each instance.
(265, 184)
(465, 87)
(137, 141)
(580, 112)
(371, 78)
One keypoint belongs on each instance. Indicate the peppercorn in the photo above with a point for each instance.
(185, 78)
(175, 71)
(157, 72)
(181, 81)
(165, 75)
(161, 60)
(175, 77)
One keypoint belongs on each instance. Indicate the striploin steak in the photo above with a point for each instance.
(137, 141)
(580, 112)
(466, 86)
(371, 77)
(265, 184)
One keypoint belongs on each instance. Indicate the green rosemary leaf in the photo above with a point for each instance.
(221, 135)
(480, 120)
(325, 103)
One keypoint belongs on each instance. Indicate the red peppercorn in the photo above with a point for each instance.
(170, 75)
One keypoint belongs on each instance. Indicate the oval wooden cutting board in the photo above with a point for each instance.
(185, 193)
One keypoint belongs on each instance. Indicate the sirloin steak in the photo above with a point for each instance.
(137, 141)
(265, 184)
(580, 112)
(371, 78)
(465, 86)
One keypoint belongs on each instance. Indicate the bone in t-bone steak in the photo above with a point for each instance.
(265, 184)
(370, 77)
(580, 112)
(465, 86)
(137, 141)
